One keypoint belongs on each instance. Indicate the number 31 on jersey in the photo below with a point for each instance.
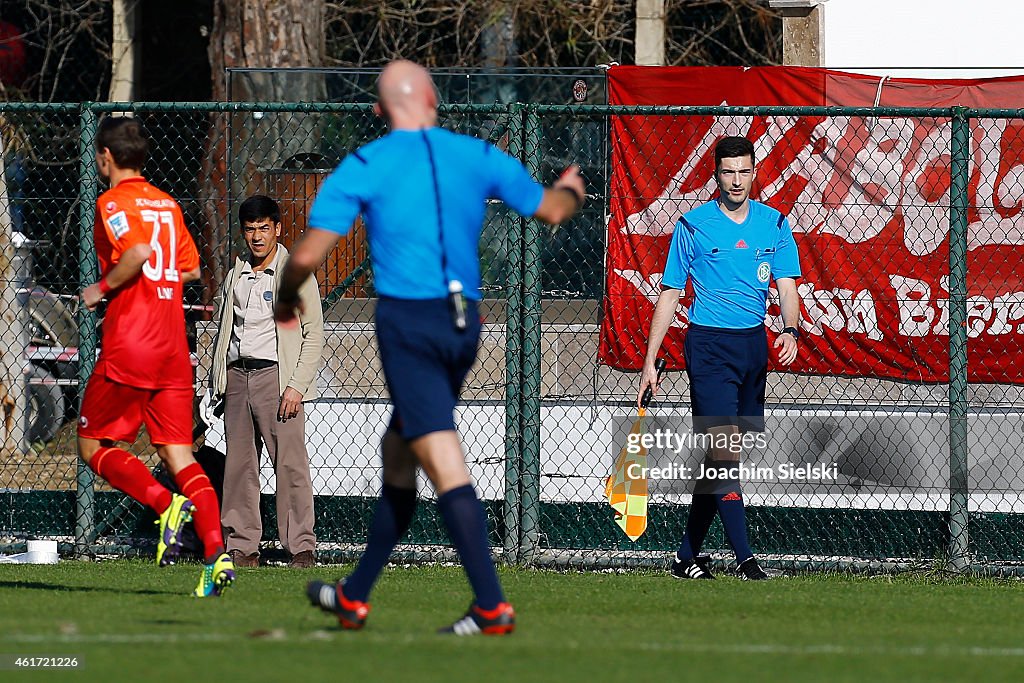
(156, 271)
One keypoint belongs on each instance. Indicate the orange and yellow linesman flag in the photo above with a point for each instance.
(628, 495)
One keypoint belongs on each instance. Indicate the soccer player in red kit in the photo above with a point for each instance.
(144, 374)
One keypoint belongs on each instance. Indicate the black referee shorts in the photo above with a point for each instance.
(425, 361)
(728, 371)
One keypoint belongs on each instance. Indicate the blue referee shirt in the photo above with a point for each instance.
(414, 189)
(730, 263)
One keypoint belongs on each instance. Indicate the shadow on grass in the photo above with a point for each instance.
(41, 586)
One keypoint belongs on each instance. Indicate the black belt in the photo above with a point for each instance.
(248, 364)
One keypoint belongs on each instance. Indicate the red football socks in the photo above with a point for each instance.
(195, 485)
(128, 474)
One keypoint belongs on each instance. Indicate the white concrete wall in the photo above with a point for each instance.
(925, 38)
(893, 459)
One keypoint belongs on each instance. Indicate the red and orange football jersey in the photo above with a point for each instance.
(144, 343)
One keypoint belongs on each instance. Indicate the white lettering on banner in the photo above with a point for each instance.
(1009, 308)
(840, 310)
(858, 310)
(920, 314)
(913, 299)
(848, 192)
(855, 312)
(858, 175)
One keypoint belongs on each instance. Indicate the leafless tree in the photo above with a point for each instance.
(365, 33)
(722, 33)
(68, 42)
(567, 33)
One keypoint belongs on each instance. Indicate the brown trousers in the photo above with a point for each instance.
(250, 420)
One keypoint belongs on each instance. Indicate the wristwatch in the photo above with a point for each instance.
(793, 331)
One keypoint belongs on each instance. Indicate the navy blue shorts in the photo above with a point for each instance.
(425, 361)
(728, 372)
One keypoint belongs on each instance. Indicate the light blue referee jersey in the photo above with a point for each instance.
(419, 190)
(730, 263)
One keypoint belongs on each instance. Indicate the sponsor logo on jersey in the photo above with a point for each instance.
(118, 224)
(155, 203)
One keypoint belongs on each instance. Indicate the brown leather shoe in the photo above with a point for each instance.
(240, 559)
(303, 560)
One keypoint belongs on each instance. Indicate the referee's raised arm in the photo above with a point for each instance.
(563, 199)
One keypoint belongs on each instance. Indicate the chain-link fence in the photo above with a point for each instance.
(921, 207)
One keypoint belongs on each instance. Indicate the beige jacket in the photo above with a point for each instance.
(298, 348)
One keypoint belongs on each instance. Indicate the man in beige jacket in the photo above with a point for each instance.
(264, 373)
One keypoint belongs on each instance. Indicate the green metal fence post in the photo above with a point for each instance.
(513, 355)
(958, 200)
(532, 353)
(85, 522)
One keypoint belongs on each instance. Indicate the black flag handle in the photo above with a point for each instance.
(645, 400)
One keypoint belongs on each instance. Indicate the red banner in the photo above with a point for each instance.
(868, 200)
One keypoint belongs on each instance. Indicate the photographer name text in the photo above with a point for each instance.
(782, 472)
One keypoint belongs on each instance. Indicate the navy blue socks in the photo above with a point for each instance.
(702, 514)
(729, 500)
(720, 495)
(467, 526)
(391, 520)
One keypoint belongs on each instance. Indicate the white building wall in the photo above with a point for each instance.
(924, 38)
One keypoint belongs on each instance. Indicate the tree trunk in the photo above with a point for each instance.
(240, 147)
(124, 67)
(12, 334)
(498, 37)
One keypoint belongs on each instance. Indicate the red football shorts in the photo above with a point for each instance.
(116, 411)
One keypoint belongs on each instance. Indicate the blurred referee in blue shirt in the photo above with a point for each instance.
(730, 248)
(422, 192)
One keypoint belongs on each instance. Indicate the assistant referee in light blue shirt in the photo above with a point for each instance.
(730, 248)
(422, 191)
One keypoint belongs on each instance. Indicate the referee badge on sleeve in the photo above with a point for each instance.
(764, 271)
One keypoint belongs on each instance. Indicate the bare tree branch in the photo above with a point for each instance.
(567, 33)
(57, 33)
(723, 33)
(447, 33)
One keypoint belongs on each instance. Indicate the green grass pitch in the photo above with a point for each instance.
(130, 621)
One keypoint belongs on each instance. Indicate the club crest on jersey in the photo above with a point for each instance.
(118, 224)
(764, 271)
(111, 207)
